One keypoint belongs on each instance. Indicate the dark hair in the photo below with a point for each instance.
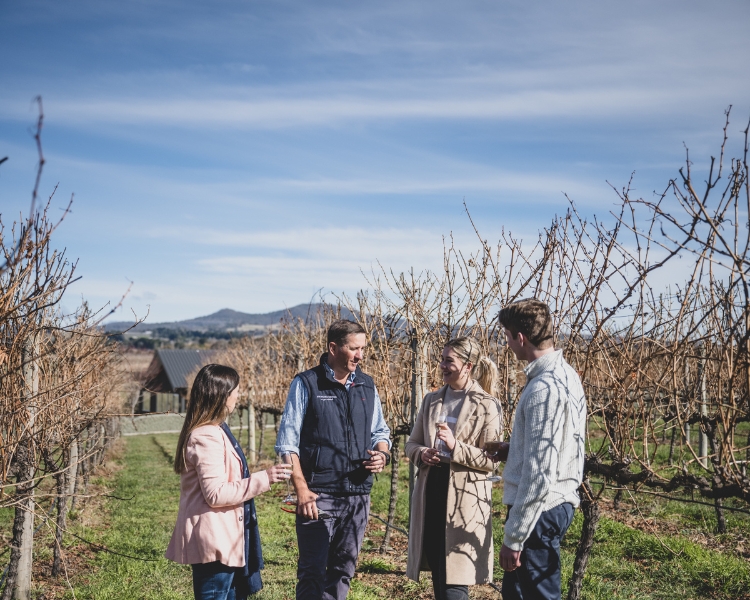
(207, 404)
(341, 329)
(532, 318)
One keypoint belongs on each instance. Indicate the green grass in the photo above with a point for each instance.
(140, 527)
(625, 563)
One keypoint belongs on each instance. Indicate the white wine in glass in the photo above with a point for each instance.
(443, 453)
(285, 458)
(491, 448)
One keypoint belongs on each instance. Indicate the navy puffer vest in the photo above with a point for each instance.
(336, 432)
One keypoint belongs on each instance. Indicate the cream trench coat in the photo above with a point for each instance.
(468, 531)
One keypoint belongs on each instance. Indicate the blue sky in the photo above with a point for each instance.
(246, 154)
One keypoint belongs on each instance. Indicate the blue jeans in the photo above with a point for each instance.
(215, 581)
(538, 577)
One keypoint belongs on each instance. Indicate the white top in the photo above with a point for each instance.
(449, 411)
(452, 403)
(545, 460)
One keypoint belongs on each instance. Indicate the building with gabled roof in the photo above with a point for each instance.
(165, 387)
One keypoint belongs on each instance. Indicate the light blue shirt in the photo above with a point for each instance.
(294, 414)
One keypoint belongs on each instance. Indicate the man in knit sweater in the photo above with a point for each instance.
(545, 459)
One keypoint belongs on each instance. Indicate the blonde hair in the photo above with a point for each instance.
(484, 370)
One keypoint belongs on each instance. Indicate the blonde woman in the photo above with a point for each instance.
(217, 529)
(450, 532)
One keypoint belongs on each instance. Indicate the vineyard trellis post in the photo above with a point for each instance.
(72, 468)
(22, 587)
(251, 452)
(418, 385)
(704, 409)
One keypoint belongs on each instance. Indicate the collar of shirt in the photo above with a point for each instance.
(349, 379)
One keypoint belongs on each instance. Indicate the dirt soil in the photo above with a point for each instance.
(393, 582)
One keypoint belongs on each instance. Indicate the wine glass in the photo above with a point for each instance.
(290, 500)
(439, 445)
(491, 448)
(285, 458)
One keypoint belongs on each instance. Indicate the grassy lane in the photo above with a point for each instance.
(139, 527)
(626, 563)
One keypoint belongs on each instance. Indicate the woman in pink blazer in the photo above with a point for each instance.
(217, 529)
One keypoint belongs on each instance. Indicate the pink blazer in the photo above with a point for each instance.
(209, 522)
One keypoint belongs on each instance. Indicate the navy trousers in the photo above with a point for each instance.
(328, 548)
(538, 577)
(215, 581)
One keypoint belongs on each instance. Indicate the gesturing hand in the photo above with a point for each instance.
(279, 473)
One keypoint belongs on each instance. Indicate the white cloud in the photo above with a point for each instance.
(281, 112)
(338, 133)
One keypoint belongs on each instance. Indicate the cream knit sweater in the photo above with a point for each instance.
(545, 460)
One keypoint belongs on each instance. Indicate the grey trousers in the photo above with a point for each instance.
(328, 548)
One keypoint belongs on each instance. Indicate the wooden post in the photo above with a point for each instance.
(252, 455)
(61, 480)
(703, 453)
(511, 375)
(417, 393)
(262, 436)
(395, 460)
(687, 425)
(240, 412)
(73, 472)
(22, 587)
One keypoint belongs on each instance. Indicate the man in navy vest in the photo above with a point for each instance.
(333, 427)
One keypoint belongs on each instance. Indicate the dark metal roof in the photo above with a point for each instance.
(180, 364)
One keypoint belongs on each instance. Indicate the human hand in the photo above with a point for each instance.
(429, 456)
(306, 506)
(501, 454)
(376, 462)
(510, 560)
(444, 433)
(278, 473)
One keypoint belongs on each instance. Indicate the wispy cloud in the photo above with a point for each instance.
(583, 101)
(254, 152)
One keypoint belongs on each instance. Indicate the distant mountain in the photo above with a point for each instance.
(227, 320)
